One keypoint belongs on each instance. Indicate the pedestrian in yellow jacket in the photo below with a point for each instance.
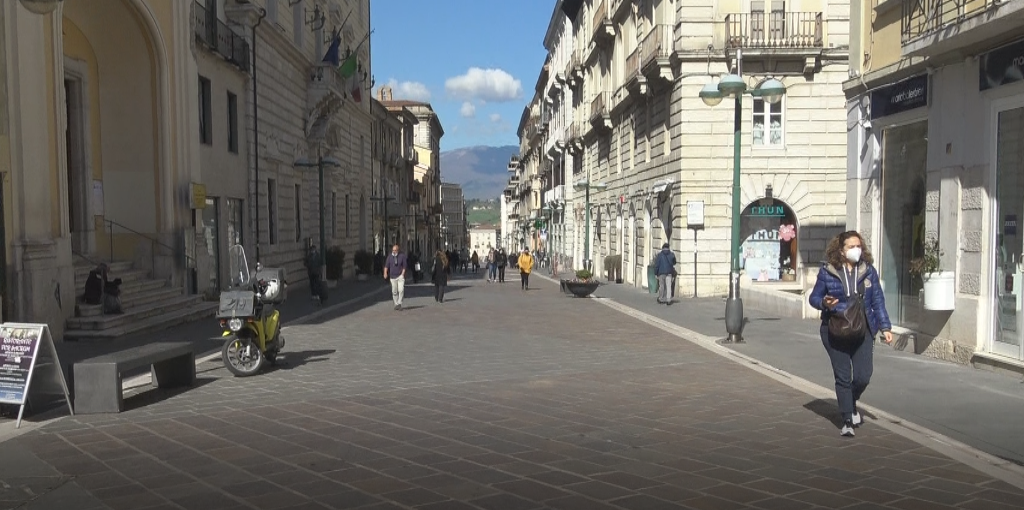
(525, 266)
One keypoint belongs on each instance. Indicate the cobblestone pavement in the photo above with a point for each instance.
(497, 399)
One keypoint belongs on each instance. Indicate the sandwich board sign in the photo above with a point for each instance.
(27, 356)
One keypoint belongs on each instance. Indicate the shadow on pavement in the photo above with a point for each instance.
(153, 395)
(290, 360)
(828, 409)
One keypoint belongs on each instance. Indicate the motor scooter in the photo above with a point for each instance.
(252, 327)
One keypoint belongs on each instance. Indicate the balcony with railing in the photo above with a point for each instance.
(634, 78)
(656, 52)
(774, 31)
(932, 27)
(620, 9)
(219, 38)
(603, 28)
(575, 76)
(600, 111)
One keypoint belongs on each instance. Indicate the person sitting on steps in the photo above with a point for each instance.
(99, 289)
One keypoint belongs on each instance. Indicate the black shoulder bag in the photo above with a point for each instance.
(851, 324)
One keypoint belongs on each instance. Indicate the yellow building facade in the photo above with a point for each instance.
(935, 102)
(130, 135)
(98, 153)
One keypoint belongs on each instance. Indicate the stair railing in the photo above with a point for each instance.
(154, 244)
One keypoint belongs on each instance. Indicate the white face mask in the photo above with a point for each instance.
(853, 254)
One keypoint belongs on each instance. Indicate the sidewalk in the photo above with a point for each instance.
(205, 334)
(981, 409)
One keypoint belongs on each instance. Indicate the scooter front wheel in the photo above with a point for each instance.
(242, 357)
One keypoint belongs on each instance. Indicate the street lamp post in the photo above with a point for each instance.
(321, 161)
(584, 184)
(771, 90)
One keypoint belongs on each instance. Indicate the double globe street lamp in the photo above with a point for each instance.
(771, 91)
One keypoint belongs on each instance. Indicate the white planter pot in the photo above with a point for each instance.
(940, 291)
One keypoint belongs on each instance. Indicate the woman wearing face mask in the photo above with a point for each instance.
(847, 272)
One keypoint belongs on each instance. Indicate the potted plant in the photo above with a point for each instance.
(939, 285)
(335, 263)
(583, 285)
(364, 264)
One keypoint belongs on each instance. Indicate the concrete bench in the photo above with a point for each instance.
(98, 381)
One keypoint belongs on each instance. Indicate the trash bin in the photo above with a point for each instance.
(652, 280)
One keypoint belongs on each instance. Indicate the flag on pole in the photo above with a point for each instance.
(333, 55)
(349, 66)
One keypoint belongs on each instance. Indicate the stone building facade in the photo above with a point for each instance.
(627, 75)
(425, 158)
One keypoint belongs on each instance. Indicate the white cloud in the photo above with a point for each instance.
(467, 110)
(412, 90)
(495, 118)
(493, 85)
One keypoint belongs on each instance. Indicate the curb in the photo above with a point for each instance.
(9, 432)
(989, 464)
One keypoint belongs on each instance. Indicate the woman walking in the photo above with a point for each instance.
(439, 275)
(848, 287)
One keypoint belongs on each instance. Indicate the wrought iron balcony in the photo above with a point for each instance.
(219, 38)
(921, 18)
(775, 30)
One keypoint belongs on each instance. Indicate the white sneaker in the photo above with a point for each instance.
(857, 420)
(847, 430)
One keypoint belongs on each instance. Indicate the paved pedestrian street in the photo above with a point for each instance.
(497, 399)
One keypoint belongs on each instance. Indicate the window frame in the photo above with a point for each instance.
(205, 111)
(766, 119)
(232, 112)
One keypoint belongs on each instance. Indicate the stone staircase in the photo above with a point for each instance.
(149, 305)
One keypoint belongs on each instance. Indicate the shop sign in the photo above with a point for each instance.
(765, 211)
(900, 97)
(1002, 66)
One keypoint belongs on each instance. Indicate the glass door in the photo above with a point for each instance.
(1009, 208)
(904, 163)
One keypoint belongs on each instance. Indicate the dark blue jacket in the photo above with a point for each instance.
(665, 262)
(830, 283)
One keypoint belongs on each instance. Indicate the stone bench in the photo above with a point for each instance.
(98, 381)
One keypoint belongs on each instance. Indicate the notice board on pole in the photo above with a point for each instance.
(29, 365)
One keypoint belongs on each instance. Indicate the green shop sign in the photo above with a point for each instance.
(765, 211)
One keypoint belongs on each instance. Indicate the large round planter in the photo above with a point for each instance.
(940, 291)
(581, 289)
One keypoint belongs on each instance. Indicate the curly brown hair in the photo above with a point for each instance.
(834, 252)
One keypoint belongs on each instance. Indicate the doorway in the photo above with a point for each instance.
(1009, 208)
(79, 221)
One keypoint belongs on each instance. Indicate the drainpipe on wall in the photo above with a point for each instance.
(256, 136)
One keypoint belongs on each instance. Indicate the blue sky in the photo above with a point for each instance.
(475, 61)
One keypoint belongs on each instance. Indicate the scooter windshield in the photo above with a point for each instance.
(239, 267)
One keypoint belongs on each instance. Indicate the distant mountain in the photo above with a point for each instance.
(482, 171)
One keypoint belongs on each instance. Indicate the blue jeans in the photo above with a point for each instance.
(492, 271)
(852, 367)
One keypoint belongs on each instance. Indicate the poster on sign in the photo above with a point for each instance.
(27, 355)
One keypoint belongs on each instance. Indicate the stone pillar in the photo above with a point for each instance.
(42, 289)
